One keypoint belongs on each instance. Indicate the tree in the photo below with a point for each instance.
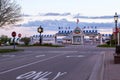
(26, 40)
(9, 12)
(4, 39)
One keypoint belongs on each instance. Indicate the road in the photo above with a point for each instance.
(74, 62)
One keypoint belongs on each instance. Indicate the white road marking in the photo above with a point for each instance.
(28, 51)
(8, 55)
(58, 75)
(39, 56)
(62, 51)
(30, 64)
(77, 56)
(34, 75)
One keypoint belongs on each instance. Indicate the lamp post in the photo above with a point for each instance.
(40, 30)
(116, 20)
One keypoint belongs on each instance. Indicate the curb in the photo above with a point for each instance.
(98, 70)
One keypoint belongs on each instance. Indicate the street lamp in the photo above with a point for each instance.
(116, 20)
(116, 33)
(40, 30)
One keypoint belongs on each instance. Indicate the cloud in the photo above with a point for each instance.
(25, 15)
(95, 17)
(57, 14)
(54, 24)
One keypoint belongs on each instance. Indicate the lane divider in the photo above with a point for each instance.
(39, 56)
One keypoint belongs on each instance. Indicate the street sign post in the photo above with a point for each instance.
(19, 36)
(13, 35)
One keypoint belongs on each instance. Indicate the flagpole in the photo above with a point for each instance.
(77, 22)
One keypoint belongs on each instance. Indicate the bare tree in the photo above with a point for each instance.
(9, 12)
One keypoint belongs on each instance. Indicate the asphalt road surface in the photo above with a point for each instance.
(42, 63)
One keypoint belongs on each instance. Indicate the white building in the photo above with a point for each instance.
(77, 36)
(72, 37)
(46, 39)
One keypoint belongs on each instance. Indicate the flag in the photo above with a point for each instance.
(77, 21)
(118, 29)
(59, 28)
(69, 27)
(95, 27)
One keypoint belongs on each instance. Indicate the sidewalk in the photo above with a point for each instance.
(111, 70)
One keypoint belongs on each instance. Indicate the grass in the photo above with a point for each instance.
(9, 50)
(105, 45)
(46, 45)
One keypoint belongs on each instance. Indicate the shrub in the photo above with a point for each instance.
(26, 40)
(112, 42)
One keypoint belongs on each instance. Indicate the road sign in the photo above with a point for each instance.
(19, 35)
(13, 34)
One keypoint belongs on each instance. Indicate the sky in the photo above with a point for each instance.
(84, 7)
